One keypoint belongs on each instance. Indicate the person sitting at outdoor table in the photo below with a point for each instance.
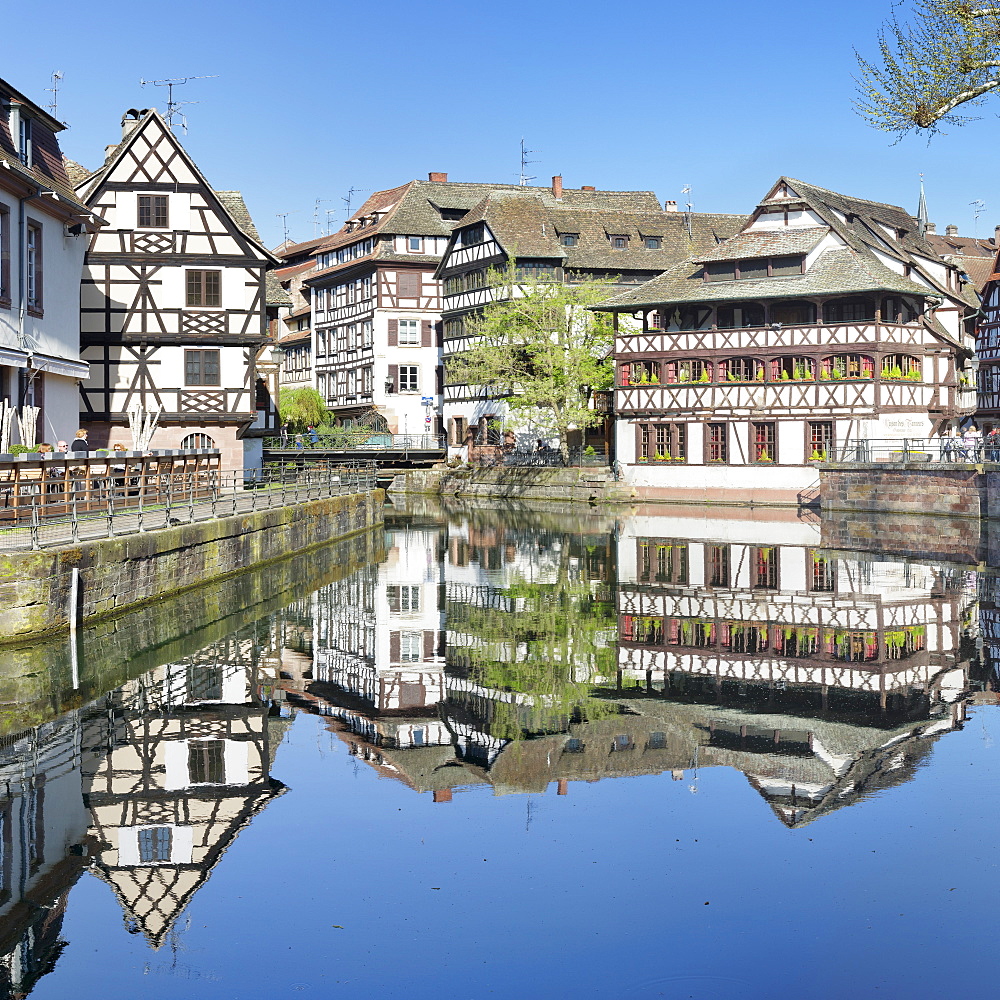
(62, 447)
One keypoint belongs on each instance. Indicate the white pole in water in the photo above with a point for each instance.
(74, 599)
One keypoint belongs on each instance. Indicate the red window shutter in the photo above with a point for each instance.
(428, 645)
(394, 647)
(393, 332)
(426, 332)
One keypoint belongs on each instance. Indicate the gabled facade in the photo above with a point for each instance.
(825, 319)
(988, 351)
(173, 305)
(558, 234)
(43, 236)
(293, 330)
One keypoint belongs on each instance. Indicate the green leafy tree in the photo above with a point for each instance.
(540, 345)
(301, 407)
(947, 56)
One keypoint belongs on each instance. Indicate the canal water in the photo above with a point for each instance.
(517, 754)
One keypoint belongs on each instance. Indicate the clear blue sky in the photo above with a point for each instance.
(314, 98)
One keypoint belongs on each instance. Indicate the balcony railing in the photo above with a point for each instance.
(953, 450)
(359, 441)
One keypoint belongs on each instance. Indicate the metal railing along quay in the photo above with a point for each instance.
(954, 450)
(350, 443)
(141, 501)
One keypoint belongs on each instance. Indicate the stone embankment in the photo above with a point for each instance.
(119, 574)
(913, 487)
(572, 485)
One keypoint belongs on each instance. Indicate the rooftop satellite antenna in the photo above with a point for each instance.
(978, 207)
(54, 91)
(523, 177)
(174, 107)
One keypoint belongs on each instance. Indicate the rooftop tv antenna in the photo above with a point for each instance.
(978, 207)
(54, 91)
(349, 197)
(329, 221)
(689, 207)
(523, 177)
(284, 223)
(174, 107)
(318, 202)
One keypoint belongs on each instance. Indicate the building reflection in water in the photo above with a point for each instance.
(486, 652)
(146, 788)
(510, 654)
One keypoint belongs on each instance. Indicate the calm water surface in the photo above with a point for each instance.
(519, 755)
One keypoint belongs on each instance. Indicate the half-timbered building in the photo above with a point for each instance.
(825, 319)
(293, 330)
(43, 236)
(173, 303)
(988, 355)
(558, 234)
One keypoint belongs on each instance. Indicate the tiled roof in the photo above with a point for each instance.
(979, 269)
(527, 225)
(287, 250)
(835, 272)
(966, 246)
(295, 337)
(767, 243)
(415, 208)
(234, 204)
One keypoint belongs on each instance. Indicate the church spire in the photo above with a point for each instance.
(922, 209)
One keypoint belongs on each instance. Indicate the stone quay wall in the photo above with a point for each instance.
(120, 574)
(913, 488)
(551, 485)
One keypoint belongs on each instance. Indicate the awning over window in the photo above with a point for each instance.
(60, 366)
(13, 358)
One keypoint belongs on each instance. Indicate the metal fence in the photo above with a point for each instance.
(142, 505)
(960, 450)
(497, 456)
(357, 442)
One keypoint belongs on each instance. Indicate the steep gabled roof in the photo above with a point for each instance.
(151, 129)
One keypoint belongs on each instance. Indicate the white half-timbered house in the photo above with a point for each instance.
(173, 301)
(825, 319)
(988, 355)
(559, 234)
(43, 236)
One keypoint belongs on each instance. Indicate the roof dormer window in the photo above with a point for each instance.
(24, 150)
(569, 239)
(619, 242)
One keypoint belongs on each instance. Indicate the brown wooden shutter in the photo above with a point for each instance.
(393, 332)
(440, 380)
(394, 647)
(451, 432)
(439, 330)
(428, 645)
(426, 328)
(394, 377)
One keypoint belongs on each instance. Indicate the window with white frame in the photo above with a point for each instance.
(409, 332)
(403, 598)
(411, 646)
(409, 380)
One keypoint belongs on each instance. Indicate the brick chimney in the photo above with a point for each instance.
(951, 230)
(996, 236)
(670, 206)
(930, 229)
(557, 187)
(439, 178)
(588, 187)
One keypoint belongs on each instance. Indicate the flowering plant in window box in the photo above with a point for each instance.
(817, 455)
(763, 456)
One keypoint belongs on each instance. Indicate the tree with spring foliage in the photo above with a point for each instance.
(540, 346)
(946, 57)
(301, 407)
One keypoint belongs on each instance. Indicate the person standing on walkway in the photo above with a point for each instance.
(284, 434)
(80, 442)
(313, 436)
